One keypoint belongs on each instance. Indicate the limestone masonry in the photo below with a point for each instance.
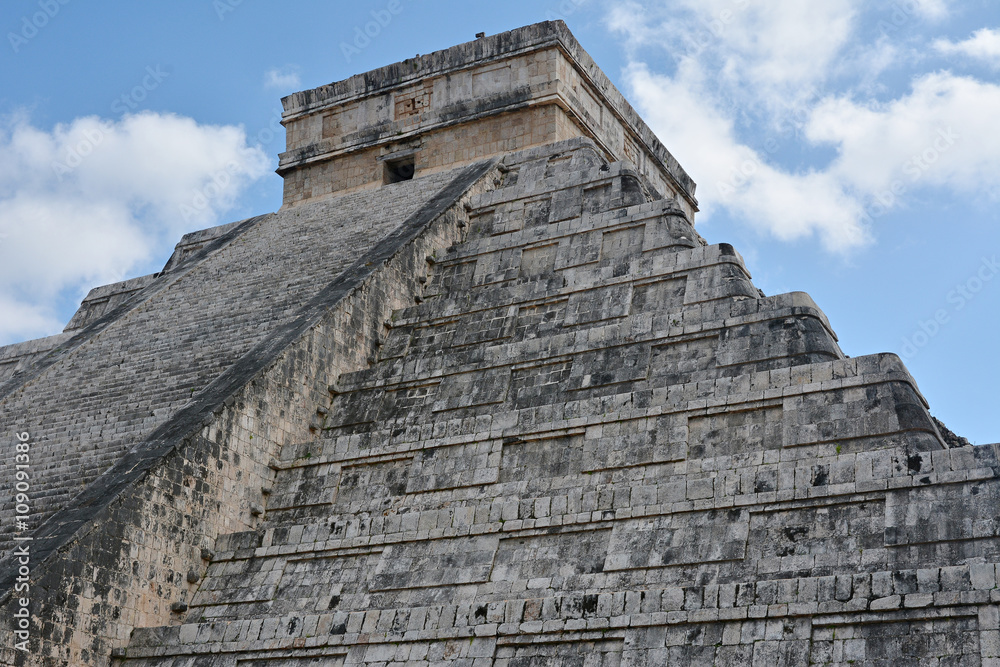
(479, 394)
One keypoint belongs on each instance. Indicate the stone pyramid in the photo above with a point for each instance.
(479, 394)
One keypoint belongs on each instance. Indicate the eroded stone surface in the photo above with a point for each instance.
(595, 442)
(515, 413)
(152, 429)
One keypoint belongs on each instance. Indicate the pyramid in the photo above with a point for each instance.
(479, 394)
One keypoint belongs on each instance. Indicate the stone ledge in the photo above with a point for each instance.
(258, 636)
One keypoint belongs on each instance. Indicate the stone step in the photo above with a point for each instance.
(906, 595)
(726, 346)
(593, 484)
(708, 275)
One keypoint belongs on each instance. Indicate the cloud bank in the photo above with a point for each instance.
(779, 111)
(984, 45)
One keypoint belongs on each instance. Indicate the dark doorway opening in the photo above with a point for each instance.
(398, 170)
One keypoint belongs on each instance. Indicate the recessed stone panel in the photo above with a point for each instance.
(598, 198)
(636, 442)
(597, 653)
(525, 460)
(536, 212)
(555, 555)
(813, 539)
(372, 482)
(321, 583)
(432, 563)
(679, 539)
(951, 640)
(966, 520)
(452, 276)
(622, 245)
(604, 303)
(540, 319)
(485, 326)
(662, 295)
(240, 581)
(325, 661)
(609, 366)
(466, 390)
(734, 433)
(304, 486)
(539, 384)
(538, 260)
(454, 467)
(579, 249)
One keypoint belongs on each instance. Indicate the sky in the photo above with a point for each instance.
(847, 148)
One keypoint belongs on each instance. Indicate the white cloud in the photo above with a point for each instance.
(941, 134)
(734, 176)
(285, 79)
(757, 51)
(87, 202)
(865, 64)
(633, 20)
(932, 10)
(984, 45)
(22, 321)
(754, 71)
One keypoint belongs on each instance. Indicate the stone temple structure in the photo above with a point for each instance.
(479, 394)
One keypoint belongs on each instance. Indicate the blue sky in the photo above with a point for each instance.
(847, 148)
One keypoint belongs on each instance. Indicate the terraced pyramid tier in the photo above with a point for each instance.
(594, 442)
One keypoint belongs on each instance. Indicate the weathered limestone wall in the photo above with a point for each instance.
(511, 412)
(20, 356)
(192, 243)
(596, 442)
(131, 545)
(433, 152)
(523, 88)
(104, 300)
(121, 377)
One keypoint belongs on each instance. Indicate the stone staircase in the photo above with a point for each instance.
(594, 442)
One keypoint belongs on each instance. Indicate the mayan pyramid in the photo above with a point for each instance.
(480, 395)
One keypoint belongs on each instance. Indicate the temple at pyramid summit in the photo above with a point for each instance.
(479, 394)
